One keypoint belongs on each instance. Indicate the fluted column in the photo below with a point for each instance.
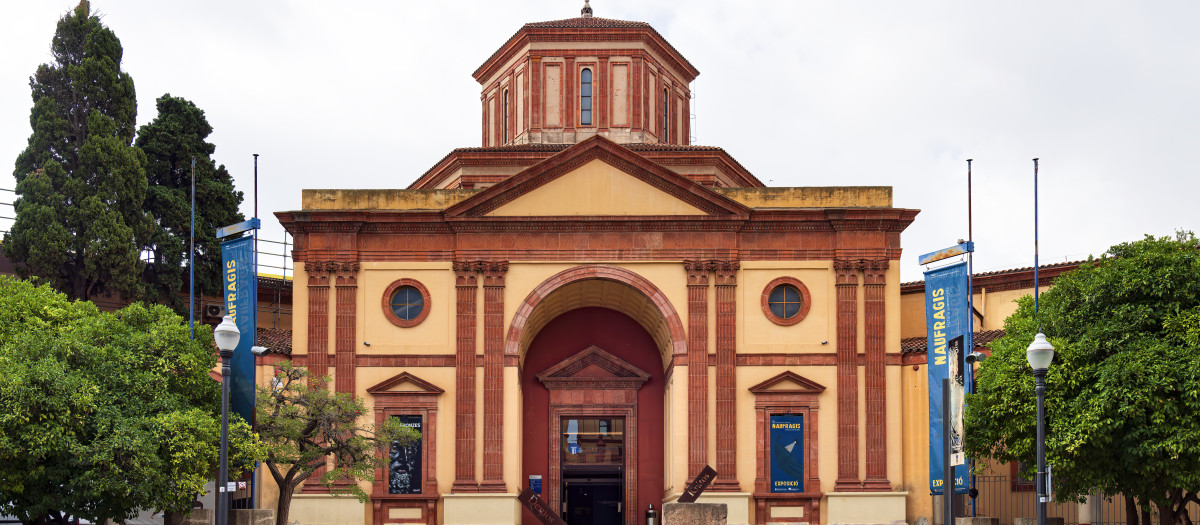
(318, 340)
(493, 376)
(874, 281)
(726, 285)
(847, 374)
(346, 281)
(697, 287)
(466, 288)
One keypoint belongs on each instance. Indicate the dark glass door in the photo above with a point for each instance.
(593, 464)
(594, 502)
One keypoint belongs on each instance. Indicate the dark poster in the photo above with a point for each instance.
(404, 464)
(787, 453)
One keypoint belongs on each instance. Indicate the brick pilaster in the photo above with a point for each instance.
(570, 88)
(847, 375)
(602, 92)
(318, 340)
(346, 281)
(535, 93)
(726, 288)
(697, 287)
(637, 86)
(493, 376)
(874, 281)
(466, 287)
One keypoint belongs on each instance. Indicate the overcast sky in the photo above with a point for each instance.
(370, 94)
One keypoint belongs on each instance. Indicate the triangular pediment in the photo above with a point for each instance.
(788, 383)
(593, 366)
(405, 383)
(597, 177)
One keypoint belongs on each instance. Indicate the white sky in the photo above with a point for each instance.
(370, 94)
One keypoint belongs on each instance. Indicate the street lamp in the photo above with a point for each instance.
(227, 336)
(1039, 354)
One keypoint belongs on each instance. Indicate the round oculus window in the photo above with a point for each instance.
(785, 301)
(406, 303)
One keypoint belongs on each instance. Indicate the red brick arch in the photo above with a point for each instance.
(669, 317)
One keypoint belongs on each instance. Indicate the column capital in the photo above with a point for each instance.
(697, 271)
(726, 271)
(494, 272)
(847, 271)
(465, 273)
(875, 271)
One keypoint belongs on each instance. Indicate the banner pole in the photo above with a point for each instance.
(947, 467)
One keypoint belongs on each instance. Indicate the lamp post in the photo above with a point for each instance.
(1039, 354)
(227, 336)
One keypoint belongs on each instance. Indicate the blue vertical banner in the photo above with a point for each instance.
(947, 321)
(241, 291)
(787, 453)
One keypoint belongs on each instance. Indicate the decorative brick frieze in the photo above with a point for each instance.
(874, 283)
(493, 376)
(698, 272)
(466, 288)
(846, 272)
(726, 272)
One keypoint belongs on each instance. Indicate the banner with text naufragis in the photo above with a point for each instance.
(787, 453)
(947, 320)
(239, 284)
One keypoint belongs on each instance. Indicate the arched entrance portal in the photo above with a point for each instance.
(594, 344)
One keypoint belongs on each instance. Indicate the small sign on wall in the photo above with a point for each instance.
(535, 483)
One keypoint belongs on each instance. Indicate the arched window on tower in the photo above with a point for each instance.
(666, 112)
(505, 117)
(585, 97)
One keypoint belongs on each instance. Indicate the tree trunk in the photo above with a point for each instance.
(1131, 511)
(1166, 513)
(286, 490)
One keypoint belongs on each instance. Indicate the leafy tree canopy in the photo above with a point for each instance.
(1122, 393)
(303, 425)
(171, 142)
(104, 413)
(81, 185)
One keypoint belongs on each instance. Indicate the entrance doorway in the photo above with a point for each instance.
(593, 459)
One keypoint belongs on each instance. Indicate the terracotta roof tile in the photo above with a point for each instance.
(917, 345)
(586, 22)
(278, 340)
(1070, 264)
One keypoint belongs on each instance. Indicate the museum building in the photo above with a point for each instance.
(593, 306)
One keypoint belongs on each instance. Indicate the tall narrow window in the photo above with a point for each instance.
(585, 97)
(506, 116)
(666, 113)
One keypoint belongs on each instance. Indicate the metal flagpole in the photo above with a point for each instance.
(1035, 241)
(969, 370)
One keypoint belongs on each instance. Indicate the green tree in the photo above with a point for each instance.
(170, 142)
(81, 185)
(303, 424)
(1122, 393)
(104, 413)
